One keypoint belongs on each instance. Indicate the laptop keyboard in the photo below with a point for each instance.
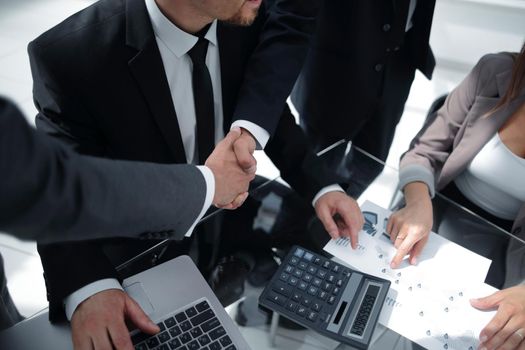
(194, 328)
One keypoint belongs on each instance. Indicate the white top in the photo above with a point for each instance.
(174, 45)
(494, 180)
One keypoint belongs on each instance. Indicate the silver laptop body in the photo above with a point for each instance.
(163, 291)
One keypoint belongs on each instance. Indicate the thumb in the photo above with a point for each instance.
(489, 302)
(139, 318)
(230, 138)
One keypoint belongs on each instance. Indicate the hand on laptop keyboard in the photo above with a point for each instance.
(100, 321)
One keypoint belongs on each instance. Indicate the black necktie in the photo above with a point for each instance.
(203, 99)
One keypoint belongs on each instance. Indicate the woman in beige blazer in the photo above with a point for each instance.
(488, 105)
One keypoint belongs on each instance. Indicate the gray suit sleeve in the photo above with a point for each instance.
(49, 193)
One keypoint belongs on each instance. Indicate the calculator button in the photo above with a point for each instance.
(336, 291)
(293, 281)
(299, 252)
(318, 261)
(303, 265)
(301, 311)
(331, 300)
(294, 260)
(298, 273)
(290, 305)
(339, 283)
(282, 289)
(307, 277)
(302, 285)
(321, 273)
(327, 264)
(331, 278)
(312, 316)
(312, 269)
(317, 307)
(313, 290)
(284, 277)
(328, 287)
(308, 256)
(307, 302)
(336, 268)
(317, 282)
(323, 295)
(289, 269)
(297, 297)
(276, 298)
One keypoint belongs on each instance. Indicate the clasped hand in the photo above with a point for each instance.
(233, 166)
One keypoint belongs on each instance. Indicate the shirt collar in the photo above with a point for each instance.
(178, 41)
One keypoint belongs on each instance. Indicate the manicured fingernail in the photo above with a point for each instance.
(236, 128)
(252, 169)
(414, 261)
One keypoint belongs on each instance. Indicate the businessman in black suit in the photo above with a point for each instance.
(359, 70)
(116, 80)
(49, 194)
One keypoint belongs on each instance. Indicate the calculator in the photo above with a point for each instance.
(327, 297)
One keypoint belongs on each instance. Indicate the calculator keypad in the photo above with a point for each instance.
(308, 283)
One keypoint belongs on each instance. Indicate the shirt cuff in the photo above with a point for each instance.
(76, 298)
(210, 192)
(261, 136)
(325, 190)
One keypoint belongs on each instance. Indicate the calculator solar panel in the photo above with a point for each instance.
(327, 297)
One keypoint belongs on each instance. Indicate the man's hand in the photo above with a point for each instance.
(409, 227)
(231, 181)
(99, 322)
(349, 220)
(506, 330)
(244, 147)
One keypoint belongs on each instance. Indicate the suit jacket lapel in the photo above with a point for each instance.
(479, 130)
(148, 70)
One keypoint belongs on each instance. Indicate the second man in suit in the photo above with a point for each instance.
(157, 81)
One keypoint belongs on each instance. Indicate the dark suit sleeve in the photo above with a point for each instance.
(275, 64)
(50, 193)
(299, 166)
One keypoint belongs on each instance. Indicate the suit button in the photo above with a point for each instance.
(386, 27)
(388, 49)
(396, 48)
(378, 67)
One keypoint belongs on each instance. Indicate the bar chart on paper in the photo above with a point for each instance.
(429, 302)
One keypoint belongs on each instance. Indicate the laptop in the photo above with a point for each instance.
(173, 294)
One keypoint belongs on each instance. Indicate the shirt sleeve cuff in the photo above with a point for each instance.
(261, 136)
(210, 191)
(416, 173)
(325, 190)
(76, 298)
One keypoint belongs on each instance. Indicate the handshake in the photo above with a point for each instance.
(233, 167)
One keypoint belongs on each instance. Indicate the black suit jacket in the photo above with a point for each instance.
(99, 83)
(50, 193)
(343, 73)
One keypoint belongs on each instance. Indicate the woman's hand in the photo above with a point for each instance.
(506, 330)
(410, 226)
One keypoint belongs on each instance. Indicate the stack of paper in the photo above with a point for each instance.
(429, 302)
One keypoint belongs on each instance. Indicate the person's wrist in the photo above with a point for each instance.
(416, 193)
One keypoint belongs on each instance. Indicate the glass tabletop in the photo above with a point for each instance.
(279, 218)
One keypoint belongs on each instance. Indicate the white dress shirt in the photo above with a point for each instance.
(174, 45)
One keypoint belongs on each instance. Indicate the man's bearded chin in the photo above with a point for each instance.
(244, 17)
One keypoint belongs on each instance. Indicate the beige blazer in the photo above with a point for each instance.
(446, 145)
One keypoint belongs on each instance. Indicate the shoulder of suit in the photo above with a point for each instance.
(74, 27)
(494, 63)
